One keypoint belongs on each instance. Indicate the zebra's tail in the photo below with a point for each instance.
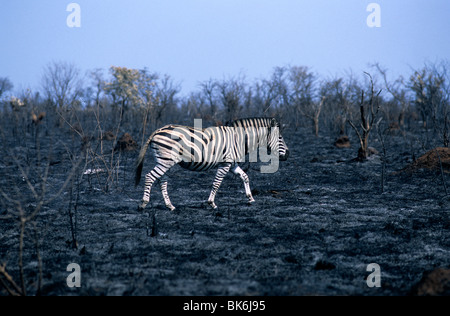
(140, 160)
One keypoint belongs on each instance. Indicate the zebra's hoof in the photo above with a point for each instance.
(213, 205)
(141, 207)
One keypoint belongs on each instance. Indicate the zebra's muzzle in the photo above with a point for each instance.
(285, 156)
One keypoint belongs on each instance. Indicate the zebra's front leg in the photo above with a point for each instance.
(244, 177)
(221, 173)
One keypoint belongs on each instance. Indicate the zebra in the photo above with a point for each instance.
(200, 149)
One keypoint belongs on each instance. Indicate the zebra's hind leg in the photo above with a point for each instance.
(149, 179)
(157, 172)
(221, 173)
(166, 195)
(238, 171)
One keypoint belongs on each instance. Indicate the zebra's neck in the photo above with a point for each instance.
(252, 133)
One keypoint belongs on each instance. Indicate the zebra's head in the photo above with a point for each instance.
(275, 141)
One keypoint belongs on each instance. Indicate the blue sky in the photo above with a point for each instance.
(195, 40)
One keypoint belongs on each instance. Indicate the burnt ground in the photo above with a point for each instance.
(315, 226)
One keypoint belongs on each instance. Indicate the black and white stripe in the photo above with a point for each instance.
(203, 149)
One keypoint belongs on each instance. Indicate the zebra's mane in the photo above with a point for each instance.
(256, 131)
(260, 121)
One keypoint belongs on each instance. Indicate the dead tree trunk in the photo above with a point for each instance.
(368, 116)
(314, 114)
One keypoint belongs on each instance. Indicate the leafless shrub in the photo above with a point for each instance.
(429, 90)
(368, 114)
(61, 83)
(23, 197)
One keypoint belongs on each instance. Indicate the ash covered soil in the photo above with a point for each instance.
(315, 227)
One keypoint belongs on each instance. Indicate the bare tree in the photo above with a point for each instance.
(208, 91)
(368, 114)
(62, 83)
(99, 85)
(231, 94)
(279, 90)
(226, 98)
(432, 97)
(262, 97)
(313, 113)
(166, 99)
(193, 106)
(302, 91)
(399, 94)
(5, 86)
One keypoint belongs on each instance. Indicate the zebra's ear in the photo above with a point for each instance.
(273, 123)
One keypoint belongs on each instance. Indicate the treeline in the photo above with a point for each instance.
(138, 100)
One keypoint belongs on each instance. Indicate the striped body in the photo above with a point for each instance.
(195, 149)
(203, 149)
